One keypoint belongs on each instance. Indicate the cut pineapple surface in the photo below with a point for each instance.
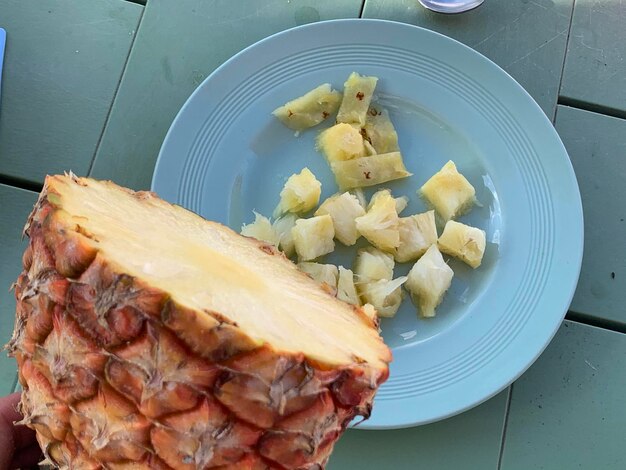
(463, 242)
(380, 224)
(357, 95)
(379, 130)
(301, 193)
(310, 109)
(372, 264)
(346, 289)
(208, 268)
(147, 337)
(322, 273)
(282, 227)
(417, 233)
(449, 192)
(343, 209)
(385, 295)
(313, 237)
(341, 142)
(261, 229)
(428, 281)
(369, 171)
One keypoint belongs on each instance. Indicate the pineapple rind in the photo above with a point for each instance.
(449, 192)
(463, 242)
(357, 95)
(309, 109)
(429, 279)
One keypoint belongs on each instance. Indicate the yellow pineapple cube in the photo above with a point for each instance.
(313, 237)
(417, 233)
(449, 192)
(357, 96)
(463, 242)
(371, 264)
(283, 227)
(380, 224)
(369, 171)
(343, 209)
(301, 193)
(379, 131)
(261, 229)
(310, 109)
(322, 273)
(346, 290)
(428, 281)
(401, 202)
(341, 142)
(385, 295)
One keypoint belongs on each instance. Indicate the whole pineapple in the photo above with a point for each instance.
(147, 337)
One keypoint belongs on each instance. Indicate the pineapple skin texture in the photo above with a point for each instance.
(115, 374)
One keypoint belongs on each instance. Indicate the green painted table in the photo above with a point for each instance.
(93, 87)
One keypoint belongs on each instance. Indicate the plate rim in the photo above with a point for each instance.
(400, 422)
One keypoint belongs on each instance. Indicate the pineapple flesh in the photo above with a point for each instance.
(313, 237)
(379, 131)
(357, 96)
(380, 224)
(261, 229)
(346, 289)
(463, 242)
(417, 233)
(341, 142)
(429, 279)
(343, 209)
(449, 192)
(310, 109)
(369, 171)
(371, 264)
(282, 227)
(384, 295)
(149, 338)
(323, 273)
(301, 193)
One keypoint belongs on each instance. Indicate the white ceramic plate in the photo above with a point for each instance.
(225, 155)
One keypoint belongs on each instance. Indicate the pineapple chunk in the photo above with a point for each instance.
(428, 281)
(322, 273)
(369, 171)
(261, 229)
(310, 109)
(417, 233)
(449, 192)
(341, 142)
(384, 295)
(313, 237)
(380, 224)
(463, 242)
(401, 202)
(357, 96)
(301, 193)
(283, 227)
(379, 131)
(343, 209)
(360, 195)
(371, 264)
(346, 290)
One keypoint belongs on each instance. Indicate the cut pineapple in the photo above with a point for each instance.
(379, 130)
(371, 264)
(428, 281)
(401, 202)
(449, 192)
(283, 227)
(149, 338)
(370, 311)
(261, 229)
(301, 193)
(343, 209)
(380, 224)
(385, 295)
(313, 237)
(357, 96)
(309, 109)
(417, 233)
(341, 142)
(369, 171)
(463, 242)
(360, 195)
(346, 290)
(322, 273)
